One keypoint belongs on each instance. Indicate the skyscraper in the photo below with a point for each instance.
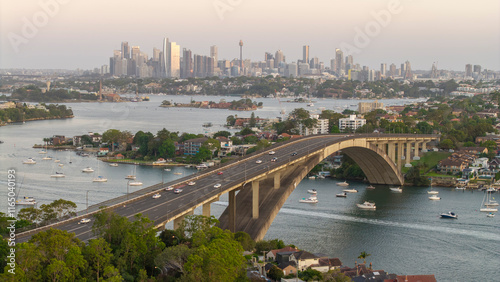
(477, 68)
(187, 63)
(468, 70)
(305, 54)
(393, 70)
(383, 69)
(241, 55)
(278, 58)
(339, 61)
(408, 73)
(214, 53)
(172, 58)
(125, 50)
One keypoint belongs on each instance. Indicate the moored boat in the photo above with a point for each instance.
(87, 169)
(341, 195)
(312, 191)
(343, 183)
(135, 183)
(435, 198)
(57, 175)
(29, 161)
(350, 190)
(370, 187)
(449, 215)
(311, 200)
(113, 164)
(367, 206)
(490, 214)
(396, 189)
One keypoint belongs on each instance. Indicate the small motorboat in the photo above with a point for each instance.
(343, 184)
(87, 169)
(100, 179)
(57, 175)
(490, 214)
(396, 189)
(47, 158)
(350, 190)
(310, 200)
(432, 192)
(26, 201)
(113, 164)
(449, 215)
(435, 198)
(370, 187)
(459, 188)
(57, 161)
(312, 191)
(367, 206)
(341, 195)
(135, 183)
(131, 177)
(29, 161)
(167, 169)
(177, 173)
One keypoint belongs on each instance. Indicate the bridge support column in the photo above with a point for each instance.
(417, 144)
(232, 210)
(392, 151)
(408, 153)
(424, 146)
(178, 221)
(400, 155)
(255, 199)
(277, 180)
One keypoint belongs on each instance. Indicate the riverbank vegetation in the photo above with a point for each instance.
(22, 113)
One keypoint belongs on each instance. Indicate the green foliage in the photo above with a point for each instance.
(349, 169)
(275, 273)
(245, 240)
(446, 144)
(335, 276)
(222, 133)
(19, 114)
(267, 245)
(310, 275)
(33, 93)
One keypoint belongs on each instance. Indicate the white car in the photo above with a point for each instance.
(84, 220)
(191, 183)
(272, 152)
(258, 161)
(218, 185)
(177, 191)
(156, 196)
(169, 188)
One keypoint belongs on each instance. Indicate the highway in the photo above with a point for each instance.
(170, 205)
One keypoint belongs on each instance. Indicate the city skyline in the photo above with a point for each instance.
(64, 36)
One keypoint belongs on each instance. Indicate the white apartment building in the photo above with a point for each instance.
(320, 128)
(351, 122)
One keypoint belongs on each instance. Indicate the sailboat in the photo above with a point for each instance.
(131, 176)
(43, 151)
(99, 178)
(488, 204)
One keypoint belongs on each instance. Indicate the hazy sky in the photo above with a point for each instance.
(74, 34)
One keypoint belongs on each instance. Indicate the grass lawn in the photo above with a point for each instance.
(430, 160)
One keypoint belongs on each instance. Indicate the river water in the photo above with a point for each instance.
(404, 235)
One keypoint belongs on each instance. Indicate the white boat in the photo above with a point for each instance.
(367, 206)
(487, 200)
(310, 200)
(167, 169)
(47, 158)
(29, 161)
(311, 177)
(312, 191)
(113, 164)
(396, 189)
(432, 192)
(370, 187)
(131, 176)
(310, 105)
(350, 190)
(61, 165)
(459, 188)
(26, 201)
(42, 152)
(341, 195)
(490, 214)
(201, 166)
(57, 161)
(320, 176)
(99, 179)
(449, 215)
(178, 173)
(491, 203)
(343, 183)
(435, 198)
(88, 169)
(135, 183)
(58, 175)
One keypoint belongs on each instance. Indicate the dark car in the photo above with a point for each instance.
(294, 153)
(274, 159)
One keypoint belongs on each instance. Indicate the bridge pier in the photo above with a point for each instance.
(400, 156)
(255, 199)
(417, 144)
(206, 208)
(232, 210)
(408, 152)
(178, 221)
(392, 151)
(277, 180)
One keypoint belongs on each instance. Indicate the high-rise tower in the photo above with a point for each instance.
(241, 55)
(305, 54)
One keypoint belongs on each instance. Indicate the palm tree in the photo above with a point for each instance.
(363, 256)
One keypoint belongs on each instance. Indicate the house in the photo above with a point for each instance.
(103, 151)
(192, 146)
(288, 268)
(271, 255)
(304, 259)
(327, 264)
(58, 140)
(416, 278)
(475, 150)
(96, 137)
(119, 157)
(226, 145)
(77, 140)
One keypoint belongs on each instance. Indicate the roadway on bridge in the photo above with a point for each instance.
(170, 204)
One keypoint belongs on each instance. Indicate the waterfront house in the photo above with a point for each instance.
(58, 140)
(327, 264)
(415, 278)
(288, 268)
(271, 255)
(192, 146)
(226, 145)
(103, 151)
(77, 140)
(119, 157)
(304, 259)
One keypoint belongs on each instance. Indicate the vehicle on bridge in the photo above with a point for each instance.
(191, 183)
(274, 159)
(294, 154)
(169, 188)
(258, 161)
(218, 185)
(177, 191)
(220, 173)
(156, 196)
(84, 220)
(272, 152)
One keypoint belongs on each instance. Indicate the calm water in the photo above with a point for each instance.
(404, 235)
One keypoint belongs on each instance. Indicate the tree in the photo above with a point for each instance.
(275, 273)
(222, 133)
(310, 275)
(363, 256)
(58, 271)
(246, 131)
(167, 149)
(173, 258)
(252, 122)
(335, 276)
(112, 136)
(63, 208)
(98, 254)
(245, 240)
(446, 144)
